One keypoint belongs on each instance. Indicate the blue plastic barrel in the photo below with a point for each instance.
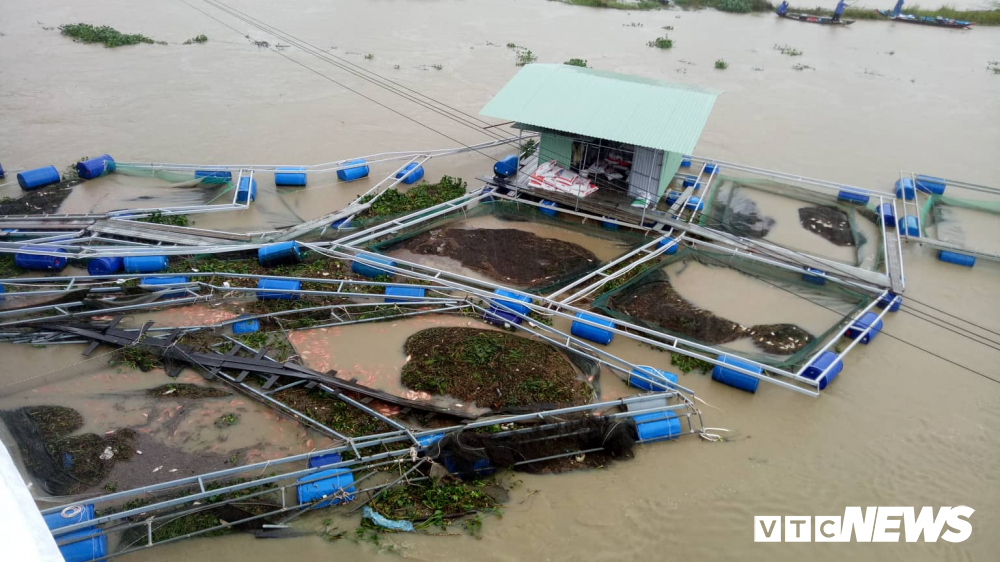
(548, 207)
(648, 378)
(214, 176)
(104, 266)
(686, 163)
(246, 326)
(592, 333)
(480, 468)
(324, 460)
(69, 516)
(814, 276)
(910, 226)
(891, 300)
(293, 176)
(862, 324)
(96, 167)
(736, 379)
(341, 223)
(957, 258)
(144, 264)
(371, 271)
(887, 214)
(608, 225)
(513, 301)
(671, 244)
(280, 284)
(153, 282)
(410, 173)
(246, 190)
(673, 196)
(710, 168)
(904, 188)
(853, 197)
(688, 182)
(657, 426)
(36, 262)
(816, 368)
(336, 484)
(501, 318)
(403, 293)
(37, 178)
(428, 440)
(1, 293)
(353, 170)
(2, 173)
(506, 167)
(282, 253)
(930, 184)
(695, 204)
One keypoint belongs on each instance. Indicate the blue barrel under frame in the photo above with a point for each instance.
(290, 176)
(38, 178)
(282, 253)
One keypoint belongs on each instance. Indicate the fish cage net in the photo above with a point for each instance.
(204, 189)
(735, 206)
(472, 453)
(515, 256)
(962, 222)
(649, 300)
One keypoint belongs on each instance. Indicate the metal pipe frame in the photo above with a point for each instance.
(656, 339)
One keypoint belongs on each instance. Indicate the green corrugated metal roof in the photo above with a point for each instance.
(607, 105)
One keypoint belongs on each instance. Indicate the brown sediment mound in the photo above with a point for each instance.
(39, 201)
(513, 256)
(183, 390)
(829, 222)
(495, 369)
(780, 339)
(658, 303)
(65, 464)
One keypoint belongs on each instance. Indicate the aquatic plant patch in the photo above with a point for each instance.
(495, 369)
(111, 37)
(421, 196)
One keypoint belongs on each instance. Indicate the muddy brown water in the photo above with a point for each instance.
(898, 427)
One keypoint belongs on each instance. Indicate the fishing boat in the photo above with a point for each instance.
(925, 20)
(822, 20)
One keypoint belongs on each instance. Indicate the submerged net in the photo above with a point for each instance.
(469, 453)
(650, 301)
(514, 256)
(739, 206)
(960, 222)
(185, 188)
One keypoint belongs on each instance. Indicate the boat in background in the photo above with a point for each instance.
(822, 20)
(926, 20)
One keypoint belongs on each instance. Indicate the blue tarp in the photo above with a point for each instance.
(405, 526)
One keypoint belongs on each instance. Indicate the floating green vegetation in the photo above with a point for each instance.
(529, 148)
(437, 66)
(619, 281)
(786, 50)
(134, 357)
(184, 390)
(429, 505)
(7, 266)
(618, 4)
(494, 368)
(993, 66)
(801, 67)
(687, 364)
(111, 37)
(577, 62)
(369, 56)
(733, 6)
(721, 64)
(157, 217)
(331, 412)
(525, 57)
(661, 43)
(421, 196)
(227, 420)
(198, 39)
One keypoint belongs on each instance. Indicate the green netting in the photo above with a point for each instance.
(701, 326)
(731, 206)
(179, 180)
(525, 255)
(953, 220)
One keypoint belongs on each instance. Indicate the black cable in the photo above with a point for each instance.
(376, 102)
(328, 58)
